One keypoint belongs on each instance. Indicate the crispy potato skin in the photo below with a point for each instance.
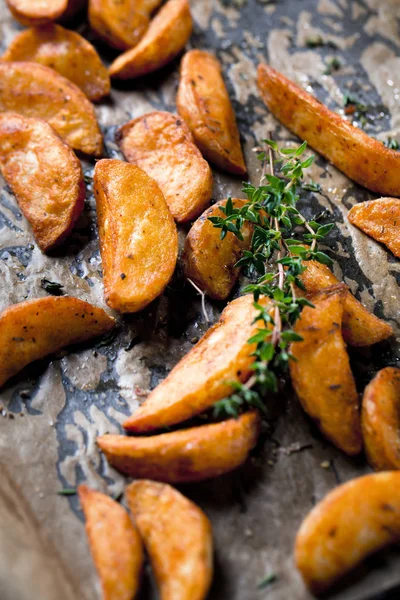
(161, 144)
(138, 237)
(210, 261)
(379, 219)
(202, 376)
(380, 420)
(321, 376)
(115, 545)
(35, 328)
(359, 326)
(188, 455)
(34, 90)
(45, 176)
(353, 521)
(66, 52)
(360, 157)
(203, 101)
(166, 36)
(32, 14)
(178, 539)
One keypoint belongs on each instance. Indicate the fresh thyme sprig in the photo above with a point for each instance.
(274, 262)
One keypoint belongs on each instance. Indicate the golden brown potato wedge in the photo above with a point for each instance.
(187, 455)
(66, 52)
(204, 103)
(166, 36)
(32, 13)
(178, 538)
(381, 220)
(353, 521)
(35, 328)
(45, 176)
(359, 326)
(121, 23)
(361, 157)
(203, 376)
(138, 238)
(321, 374)
(34, 90)
(161, 144)
(380, 419)
(210, 261)
(115, 545)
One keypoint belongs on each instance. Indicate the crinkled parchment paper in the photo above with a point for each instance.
(53, 412)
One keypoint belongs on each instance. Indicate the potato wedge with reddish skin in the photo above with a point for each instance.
(161, 144)
(321, 374)
(166, 36)
(380, 420)
(187, 455)
(34, 90)
(353, 521)
(202, 376)
(210, 261)
(115, 544)
(379, 219)
(178, 538)
(203, 101)
(359, 326)
(45, 176)
(66, 52)
(32, 13)
(35, 328)
(138, 238)
(359, 156)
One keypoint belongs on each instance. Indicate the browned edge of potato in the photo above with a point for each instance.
(208, 260)
(359, 156)
(187, 455)
(379, 219)
(34, 90)
(115, 544)
(321, 374)
(32, 13)
(203, 101)
(380, 420)
(359, 326)
(138, 237)
(45, 176)
(353, 521)
(165, 38)
(66, 52)
(204, 375)
(35, 328)
(161, 144)
(177, 536)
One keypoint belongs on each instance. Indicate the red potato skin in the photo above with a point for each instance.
(362, 158)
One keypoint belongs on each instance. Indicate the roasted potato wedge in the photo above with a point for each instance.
(321, 374)
(138, 237)
(121, 23)
(34, 90)
(203, 376)
(44, 174)
(359, 326)
(203, 101)
(210, 261)
(380, 420)
(178, 538)
(32, 13)
(115, 545)
(166, 36)
(359, 156)
(353, 521)
(379, 219)
(161, 144)
(187, 455)
(66, 52)
(35, 328)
